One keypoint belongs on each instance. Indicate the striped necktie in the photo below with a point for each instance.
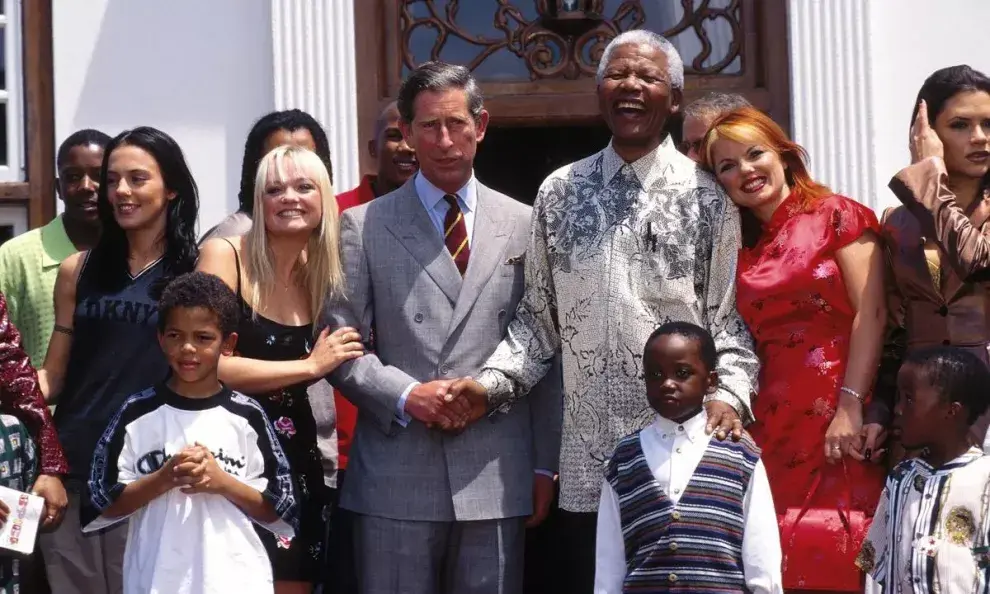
(455, 234)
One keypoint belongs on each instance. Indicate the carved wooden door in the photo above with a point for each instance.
(536, 59)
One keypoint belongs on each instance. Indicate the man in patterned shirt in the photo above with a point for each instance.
(623, 241)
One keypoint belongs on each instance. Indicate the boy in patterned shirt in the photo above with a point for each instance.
(930, 531)
(679, 510)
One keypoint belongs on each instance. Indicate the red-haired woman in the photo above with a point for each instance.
(810, 287)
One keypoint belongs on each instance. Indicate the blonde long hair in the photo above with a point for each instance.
(322, 271)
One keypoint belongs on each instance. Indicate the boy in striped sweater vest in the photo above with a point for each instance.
(681, 512)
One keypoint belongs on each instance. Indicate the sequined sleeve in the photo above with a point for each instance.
(20, 394)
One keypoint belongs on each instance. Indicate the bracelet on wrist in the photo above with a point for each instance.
(853, 393)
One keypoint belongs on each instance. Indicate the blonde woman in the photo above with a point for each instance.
(283, 270)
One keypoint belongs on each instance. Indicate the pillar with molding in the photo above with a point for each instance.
(831, 106)
(314, 70)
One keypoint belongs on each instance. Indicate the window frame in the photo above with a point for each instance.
(36, 123)
(13, 95)
(766, 83)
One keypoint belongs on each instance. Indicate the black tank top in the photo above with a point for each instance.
(115, 353)
(288, 408)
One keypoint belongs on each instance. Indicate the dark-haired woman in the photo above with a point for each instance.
(104, 346)
(293, 127)
(938, 242)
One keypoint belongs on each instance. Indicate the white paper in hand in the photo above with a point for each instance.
(21, 529)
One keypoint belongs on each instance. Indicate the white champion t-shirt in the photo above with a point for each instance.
(202, 543)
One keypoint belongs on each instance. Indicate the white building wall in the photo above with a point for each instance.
(199, 70)
(856, 69)
(204, 71)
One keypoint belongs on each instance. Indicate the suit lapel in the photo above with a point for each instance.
(412, 227)
(489, 240)
(953, 284)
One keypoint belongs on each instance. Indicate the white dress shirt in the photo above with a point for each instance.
(432, 200)
(673, 452)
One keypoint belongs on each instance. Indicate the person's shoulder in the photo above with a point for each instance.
(234, 224)
(349, 199)
(221, 245)
(245, 407)
(745, 446)
(980, 465)
(138, 405)
(846, 215)
(839, 201)
(580, 168)
(570, 178)
(901, 470)
(504, 203)
(71, 266)
(383, 205)
(25, 242)
(624, 448)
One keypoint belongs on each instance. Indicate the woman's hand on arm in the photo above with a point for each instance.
(253, 376)
(861, 265)
(52, 372)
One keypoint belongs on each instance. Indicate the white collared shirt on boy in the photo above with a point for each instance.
(673, 451)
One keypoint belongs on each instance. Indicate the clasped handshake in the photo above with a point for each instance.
(448, 405)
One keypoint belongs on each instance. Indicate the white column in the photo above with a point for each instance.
(831, 110)
(314, 70)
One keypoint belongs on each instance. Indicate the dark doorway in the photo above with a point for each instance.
(515, 161)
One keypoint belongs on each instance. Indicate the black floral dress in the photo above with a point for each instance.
(301, 558)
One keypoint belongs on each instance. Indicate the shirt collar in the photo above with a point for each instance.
(647, 168)
(924, 468)
(693, 428)
(430, 195)
(55, 243)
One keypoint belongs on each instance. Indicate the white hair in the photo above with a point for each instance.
(675, 65)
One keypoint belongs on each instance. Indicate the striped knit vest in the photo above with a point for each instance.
(695, 546)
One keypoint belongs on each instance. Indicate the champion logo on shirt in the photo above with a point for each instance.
(155, 459)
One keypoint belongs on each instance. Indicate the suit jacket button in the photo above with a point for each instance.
(418, 317)
(501, 313)
(444, 370)
(943, 311)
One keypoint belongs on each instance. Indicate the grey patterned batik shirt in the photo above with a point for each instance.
(615, 251)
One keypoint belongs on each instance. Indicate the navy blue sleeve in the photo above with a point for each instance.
(113, 464)
(266, 460)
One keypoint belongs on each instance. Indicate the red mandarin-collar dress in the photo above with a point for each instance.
(791, 293)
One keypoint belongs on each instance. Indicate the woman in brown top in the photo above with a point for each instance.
(938, 241)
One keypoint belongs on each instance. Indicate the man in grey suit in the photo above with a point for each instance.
(436, 269)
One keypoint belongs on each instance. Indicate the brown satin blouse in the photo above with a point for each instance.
(953, 306)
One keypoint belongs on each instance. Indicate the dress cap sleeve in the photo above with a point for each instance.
(848, 220)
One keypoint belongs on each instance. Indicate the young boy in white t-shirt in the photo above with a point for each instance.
(193, 464)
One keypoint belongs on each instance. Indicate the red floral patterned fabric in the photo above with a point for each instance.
(21, 396)
(791, 293)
